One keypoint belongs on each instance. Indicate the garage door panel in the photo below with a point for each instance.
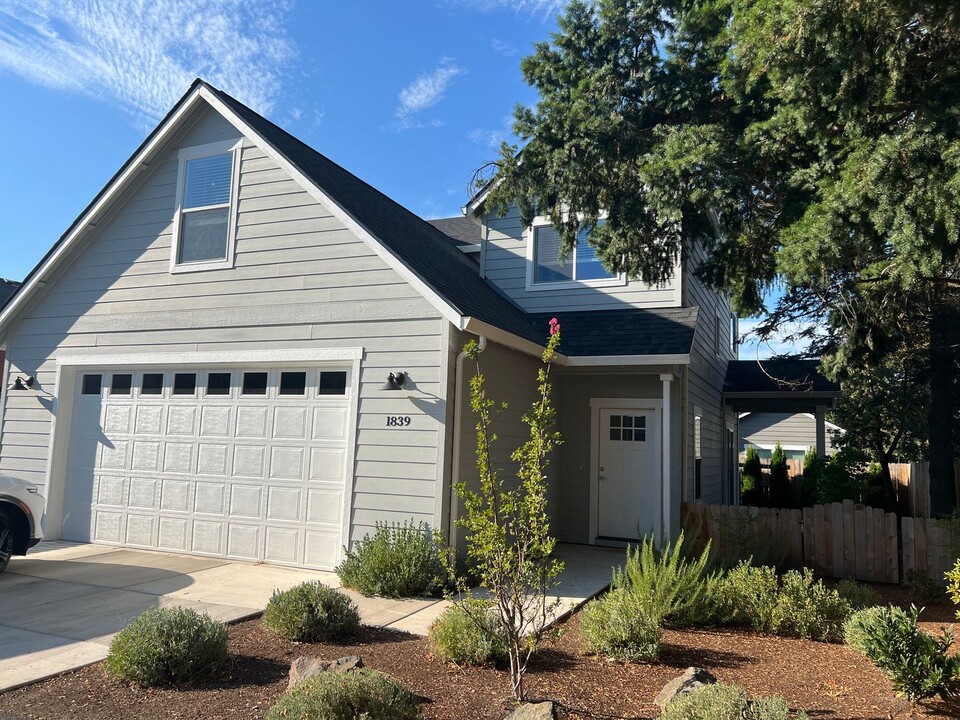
(215, 422)
(146, 455)
(290, 423)
(252, 422)
(213, 460)
(245, 476)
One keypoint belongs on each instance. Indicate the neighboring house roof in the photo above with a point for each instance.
(462, 230)
(661, 332)
(7, 289)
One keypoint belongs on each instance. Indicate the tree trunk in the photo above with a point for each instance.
(943, 407)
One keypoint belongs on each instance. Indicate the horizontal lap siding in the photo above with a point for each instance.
(505, 265)
(301, 281)
(767, 429)
(705, 382)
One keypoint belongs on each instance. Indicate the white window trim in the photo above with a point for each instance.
(192, 153)
(529, 236)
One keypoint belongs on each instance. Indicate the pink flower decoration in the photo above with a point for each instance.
(554, 326)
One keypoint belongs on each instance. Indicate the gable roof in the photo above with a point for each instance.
(421, 252)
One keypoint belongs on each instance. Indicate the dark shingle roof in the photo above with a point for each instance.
(462, 230)
(786, 375)
(421, 247)
(635, 331)
(426, 249)
(7, 289)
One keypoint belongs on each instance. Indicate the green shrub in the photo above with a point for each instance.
(859, 596)
(356, 695)
(919, 664)
(813, 468)
(666, 579)
(923, 588)
(854, 629)
(621, 625)
(311, 612)
(779, 479)
(469, 632)
(747, 595)
(168, 645)
(953, 584)
(808, 609)
(726, 702)
(397, 561)
(750, 492)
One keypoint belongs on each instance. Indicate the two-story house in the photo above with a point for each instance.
(241, 350)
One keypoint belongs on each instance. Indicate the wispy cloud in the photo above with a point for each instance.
(533, 7)
(141, 56)
(500, 47)
(423, 93)
(493, 138)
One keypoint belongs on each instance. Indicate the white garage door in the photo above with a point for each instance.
(237, 463)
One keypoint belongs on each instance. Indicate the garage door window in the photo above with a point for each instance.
(152, 384)
(293, 383)
(91, 384)
(255, 383)
(184, 383)
(218, 384)
(333, 383)
(121, 384)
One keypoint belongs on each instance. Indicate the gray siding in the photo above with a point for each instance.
(302, 280)
(794, 431)
(505, 264)
(510, 377)
(704, 384)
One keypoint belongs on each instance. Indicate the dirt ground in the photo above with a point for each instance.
(827, 680)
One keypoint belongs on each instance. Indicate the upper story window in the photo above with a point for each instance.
(580, 267)
(204, 232)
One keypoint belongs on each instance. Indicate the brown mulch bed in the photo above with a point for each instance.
(828, 681)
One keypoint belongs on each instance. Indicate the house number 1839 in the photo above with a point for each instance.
(398, 420)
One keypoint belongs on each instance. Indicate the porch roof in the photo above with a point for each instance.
(666, 332)
(783, 384)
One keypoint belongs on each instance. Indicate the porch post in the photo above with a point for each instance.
(665, 536)
(821, 431)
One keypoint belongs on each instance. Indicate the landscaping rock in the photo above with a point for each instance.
(533, 711)
(693, 679)
(304, 668)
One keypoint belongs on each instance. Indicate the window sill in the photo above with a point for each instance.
(201, 266)
(576, 284)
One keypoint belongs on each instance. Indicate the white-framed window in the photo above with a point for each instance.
(581, 267)
(204, 229)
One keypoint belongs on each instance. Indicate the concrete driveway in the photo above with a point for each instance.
(62, 603)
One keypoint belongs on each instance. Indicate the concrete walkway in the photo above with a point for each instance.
(61, 605)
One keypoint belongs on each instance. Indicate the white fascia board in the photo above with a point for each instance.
(601, 360)
(431, 295)
(134, 168)
(469, 249)
(507, 339)
(830, 425)
(239, 357)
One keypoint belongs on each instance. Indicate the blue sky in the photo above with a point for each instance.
(411, 96)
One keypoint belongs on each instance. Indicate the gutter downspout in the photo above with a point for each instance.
(457, 433)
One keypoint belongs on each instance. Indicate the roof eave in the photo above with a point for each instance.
(627, 360)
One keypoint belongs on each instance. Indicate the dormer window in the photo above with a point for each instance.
(204, 229)
(582, 266)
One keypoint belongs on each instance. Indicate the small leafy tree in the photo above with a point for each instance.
(509, 545)
(779, 478)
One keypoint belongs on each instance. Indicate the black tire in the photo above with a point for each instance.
(6, 540)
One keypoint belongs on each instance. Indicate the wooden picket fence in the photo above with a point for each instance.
(839, 540)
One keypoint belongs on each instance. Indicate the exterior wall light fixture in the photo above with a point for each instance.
(395, 381)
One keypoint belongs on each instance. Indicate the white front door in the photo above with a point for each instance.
(628, 473)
